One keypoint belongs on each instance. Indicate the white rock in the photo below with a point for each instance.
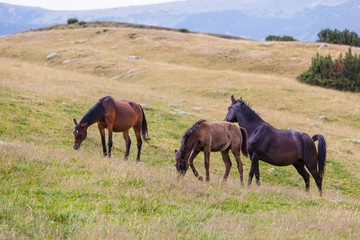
(323, 45)
(199, 108)
(6, 144)
(145, 105)
(115, 78)
(220, 91)
(351, 140)
(179, 112)
(51, 55)
(175, 104)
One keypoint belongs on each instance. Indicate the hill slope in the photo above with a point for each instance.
(255, 19)
(51, 191)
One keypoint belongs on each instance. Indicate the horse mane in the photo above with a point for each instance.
(93, 114)
(188, 133)
(247, 111)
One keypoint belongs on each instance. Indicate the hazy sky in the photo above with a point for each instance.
(82, 4)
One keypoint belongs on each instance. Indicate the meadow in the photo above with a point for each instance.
(50, 191)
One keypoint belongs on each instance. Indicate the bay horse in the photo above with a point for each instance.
(279, 147)
(211, 137)
(115, 116)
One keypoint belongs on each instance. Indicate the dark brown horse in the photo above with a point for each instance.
(211, 137)
(279, 147)
(115, 116)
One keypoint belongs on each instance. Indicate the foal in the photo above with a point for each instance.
(211, 137)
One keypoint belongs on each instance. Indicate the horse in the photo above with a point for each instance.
(115, 116)
(279, 147)
(211, 137)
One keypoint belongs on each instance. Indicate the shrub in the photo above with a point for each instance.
(341, 74)
(183, 30)
(339, 37)
(72, 20)
(278, 38)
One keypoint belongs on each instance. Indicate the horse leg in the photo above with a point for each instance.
(102, 133)
(300, 167)
(191, 163)
(237, 156)
(228, 164)
(207, 163)
(139, 142)
(254, 169)
(311, 162)
(110, 142)
(313, 170)
(127, 143)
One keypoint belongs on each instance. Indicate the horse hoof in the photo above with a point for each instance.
(201, 179)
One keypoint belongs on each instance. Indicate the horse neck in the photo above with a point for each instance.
(250, 125)
(187, 147)
(92, 116)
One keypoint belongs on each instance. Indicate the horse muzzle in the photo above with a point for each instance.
(181, 172)
(76, 147)
(226, 119)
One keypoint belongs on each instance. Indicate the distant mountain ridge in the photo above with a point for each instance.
(251, 19)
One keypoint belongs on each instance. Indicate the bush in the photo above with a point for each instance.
(72, 20)
(278, 38)
(339, 37)
(184, 30)
(341, 74)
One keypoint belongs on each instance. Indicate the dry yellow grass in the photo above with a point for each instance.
(174, 68)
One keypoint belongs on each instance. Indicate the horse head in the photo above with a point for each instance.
(80, 132)
(180, 163)
(233, 109)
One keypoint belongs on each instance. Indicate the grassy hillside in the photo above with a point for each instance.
(50, 191)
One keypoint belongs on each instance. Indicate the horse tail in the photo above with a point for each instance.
(244, 145)
(144, 130)
(321, 152)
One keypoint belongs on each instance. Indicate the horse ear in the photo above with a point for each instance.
(241, 99)
(75, 122)
(233, 99)
(176, 151)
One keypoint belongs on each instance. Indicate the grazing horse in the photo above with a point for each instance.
(279, 147)
(211, 137)
(115, 116)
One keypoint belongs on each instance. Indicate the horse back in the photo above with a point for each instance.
(219, 135)
(277, 146)
(122, 114)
